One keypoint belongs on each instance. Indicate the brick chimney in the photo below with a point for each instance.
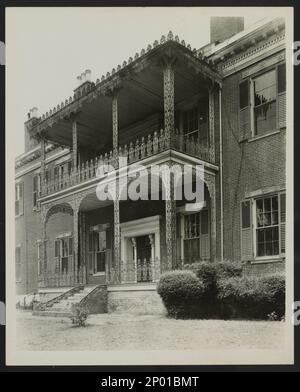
(224, 27)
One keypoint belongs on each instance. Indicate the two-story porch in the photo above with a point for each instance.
(156, 109)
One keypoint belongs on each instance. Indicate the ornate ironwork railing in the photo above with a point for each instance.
(135, 151)
(61, 279)
(129, 272)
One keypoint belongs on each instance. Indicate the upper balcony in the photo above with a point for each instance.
(137, 151)
(162, 99)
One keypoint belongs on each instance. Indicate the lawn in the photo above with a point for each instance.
(145, 332)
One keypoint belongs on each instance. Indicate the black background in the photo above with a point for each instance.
(92, 379)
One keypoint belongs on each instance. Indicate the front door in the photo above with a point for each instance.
(143, 247)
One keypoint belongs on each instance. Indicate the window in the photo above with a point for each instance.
(262, 103)
(19, 203)
(195, 122)
(36, 189)
(63, 249)
(191, 238)
(270, 225)
(264, 89)
(190, 121)
(97, 251)
(18, 263)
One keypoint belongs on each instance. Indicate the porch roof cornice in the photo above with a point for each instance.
(168, 47)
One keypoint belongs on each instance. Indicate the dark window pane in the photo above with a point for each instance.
(269, 234)
(260, 236)
(275, 203)
(281, 78)
(267, 205)
(274, 218)
(275, 233)
(259, 205)
(269, 248)
(64, 264)
(244, 95)
(282, 207)
(187, 259)
(275, 247)
(260, 249)
(260, 220)
(246, 214)
(267, 219)
(265, 88)
(100, 262)
(56, 251)
(265, 118)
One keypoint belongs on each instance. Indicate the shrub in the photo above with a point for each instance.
(252, 297)
(180, 292)
(79, 315)
(211, 273)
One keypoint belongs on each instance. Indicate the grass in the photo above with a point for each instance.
(145, 332)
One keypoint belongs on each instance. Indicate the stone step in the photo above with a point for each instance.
(62, 308)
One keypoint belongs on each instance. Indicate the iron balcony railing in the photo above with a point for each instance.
(142, 271)
(61, 279)
(134, 151)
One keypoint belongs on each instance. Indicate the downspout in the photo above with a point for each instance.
(221, 172)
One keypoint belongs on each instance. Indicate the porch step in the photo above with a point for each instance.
(62, 306)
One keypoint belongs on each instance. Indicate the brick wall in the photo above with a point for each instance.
(247, 166)
(135, 301)
(27, 232)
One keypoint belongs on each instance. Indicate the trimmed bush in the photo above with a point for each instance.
(252, 297)
(180, 292)
(210, 272)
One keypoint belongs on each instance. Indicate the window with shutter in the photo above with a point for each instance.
(245, 121)
(264, 111)
(246, 231)
(267, 226)
(281, 95)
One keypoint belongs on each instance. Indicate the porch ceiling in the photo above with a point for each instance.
(91, 202)
(140, 90)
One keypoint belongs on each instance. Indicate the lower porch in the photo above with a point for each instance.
(131, 243)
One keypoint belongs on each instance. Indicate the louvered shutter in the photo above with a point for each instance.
(246, 231)
(282, 223)
(245, 118)
(281, 95)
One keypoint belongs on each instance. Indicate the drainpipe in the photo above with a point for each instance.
(221, 172)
